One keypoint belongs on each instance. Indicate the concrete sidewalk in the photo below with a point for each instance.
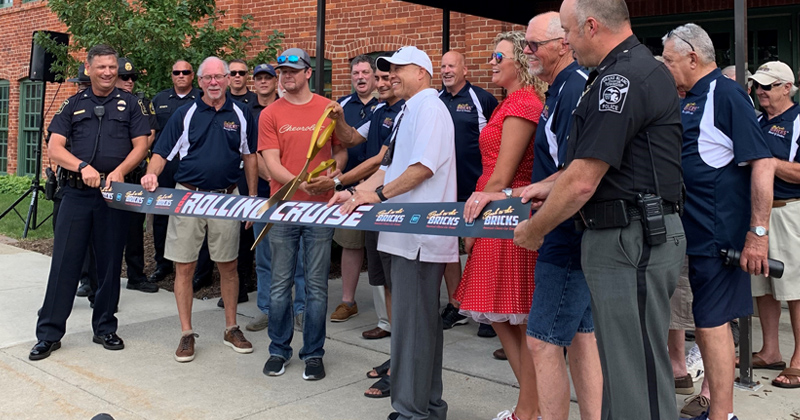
(144, 382)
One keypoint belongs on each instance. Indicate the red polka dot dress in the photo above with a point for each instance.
(497, 285)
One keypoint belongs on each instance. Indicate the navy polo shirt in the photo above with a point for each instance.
(379, 127)
(782, 135)
(355, 114)
(209, 143)
(720, 135)
(562, 246)
(125, 117)
(471, 109)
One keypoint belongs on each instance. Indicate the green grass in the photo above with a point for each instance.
(12, 226)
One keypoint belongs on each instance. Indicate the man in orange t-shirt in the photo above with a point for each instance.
(285, 129)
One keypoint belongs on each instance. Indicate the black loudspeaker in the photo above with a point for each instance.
(41, 60)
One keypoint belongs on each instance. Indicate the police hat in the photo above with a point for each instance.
(264, 68)
(83, 76)
(125, 67)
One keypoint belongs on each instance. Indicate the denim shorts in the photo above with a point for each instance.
(561, 305)
(721, 293)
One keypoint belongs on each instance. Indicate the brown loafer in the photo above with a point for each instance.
(500, 354)
(375, 334)
(684, 385)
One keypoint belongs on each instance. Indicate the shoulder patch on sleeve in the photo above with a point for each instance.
(63, 105)
(152, 110)
(613, 92)
(143, 108)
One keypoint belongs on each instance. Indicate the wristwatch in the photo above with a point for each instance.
(759, 230)
(337, 185)
(508, 192)
(379, 191)
(82, 165)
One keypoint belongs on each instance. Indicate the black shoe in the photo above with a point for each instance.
(83, 290)
(315, 370)
(242, 299)
(142, 286)
(393, 416)
(486, 331)
(202, 282)
(109, 341)
(42, 349)
(689, 335)
(275, 366)
(451, 317)
(159, 275)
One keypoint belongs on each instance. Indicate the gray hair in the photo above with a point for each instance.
(554, 29)
(730, 72)
(201, 68)
(613, 14)
(691, 37)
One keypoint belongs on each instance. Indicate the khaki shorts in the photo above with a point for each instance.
(784, 241)
(185, 237)
(349, 238)
(681, 316)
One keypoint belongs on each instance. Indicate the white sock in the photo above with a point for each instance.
(730, 416)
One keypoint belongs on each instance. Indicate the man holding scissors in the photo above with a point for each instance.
(285, 128)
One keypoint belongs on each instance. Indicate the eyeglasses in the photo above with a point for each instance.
(126, 77)
(766, 88)
(294, 59)
(181, 72)
(534, 45)
(497, 57)
(672, 33)
(218, 77)
(238, 73)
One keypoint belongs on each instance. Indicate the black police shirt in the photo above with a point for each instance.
(148, 105)
(248, 98)
(167, 102)
(629, 101)
(124, 117)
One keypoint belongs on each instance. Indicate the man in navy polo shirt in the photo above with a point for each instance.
(780, 123)
(358, 108)
(211, 137)
(471, 107)
(728, 170)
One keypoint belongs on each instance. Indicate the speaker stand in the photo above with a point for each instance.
(36, 188)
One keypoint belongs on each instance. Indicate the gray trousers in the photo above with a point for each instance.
(631, 284)
(417, 340)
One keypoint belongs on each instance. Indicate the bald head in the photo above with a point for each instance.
(548, 24)
(454, 71)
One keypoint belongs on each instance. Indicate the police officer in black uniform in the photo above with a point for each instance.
(165, 103)
(134, 246)
(107, 132)
(623, 176)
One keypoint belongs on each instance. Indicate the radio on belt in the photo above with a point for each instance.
(655, 232)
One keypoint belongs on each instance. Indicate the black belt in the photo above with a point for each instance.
(616, 213)
(228, 190)
(75, 179)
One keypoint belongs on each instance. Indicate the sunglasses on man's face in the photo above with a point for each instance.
(766, 88)
(238, 73)
(126, 77)
(294, 59)
(534, 45)
(181, 72)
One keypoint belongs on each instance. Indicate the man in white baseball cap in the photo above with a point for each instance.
(773, 72)
(419, 166)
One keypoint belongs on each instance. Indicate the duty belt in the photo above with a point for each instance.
(75, 180)
(616, 213)
(228, 190)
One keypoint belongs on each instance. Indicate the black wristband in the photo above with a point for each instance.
(379, 191)
(82, 165)
(351, 190)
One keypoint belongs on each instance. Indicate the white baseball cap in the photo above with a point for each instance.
(774, 71)
(406, 55)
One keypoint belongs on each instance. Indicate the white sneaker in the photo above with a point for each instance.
(506, 415)
(694, 364)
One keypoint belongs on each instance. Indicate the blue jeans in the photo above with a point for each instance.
(264, 274)
(284, 241)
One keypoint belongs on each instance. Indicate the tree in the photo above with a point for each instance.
(153, 34)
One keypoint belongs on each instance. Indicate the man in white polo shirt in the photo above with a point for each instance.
(418, 167)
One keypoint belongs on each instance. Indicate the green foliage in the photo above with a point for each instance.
(153, 34)
(12, 225)
(17, 185)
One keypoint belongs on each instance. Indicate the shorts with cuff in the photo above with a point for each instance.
(721, 292)
(379, 264)
(561, 305)
(185, 237)
(680, 306)
(349, 238)
(784, 241)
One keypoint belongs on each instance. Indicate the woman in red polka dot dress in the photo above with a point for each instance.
(497, 285)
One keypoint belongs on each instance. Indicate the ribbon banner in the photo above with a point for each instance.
(497, 220)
